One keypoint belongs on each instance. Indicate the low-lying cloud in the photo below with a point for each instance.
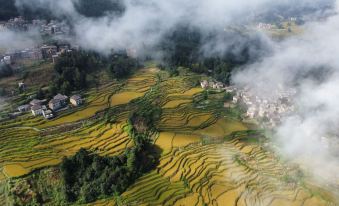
(144, 23)
(18, 40)
(309, 63)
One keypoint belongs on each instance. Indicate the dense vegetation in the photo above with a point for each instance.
(89, 176)
(87, 8)
(90, 8)
(5, 70)
(185, 47)
(7, 9)
(72, 70)
(122, 65)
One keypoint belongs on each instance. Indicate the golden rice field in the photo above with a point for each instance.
(197, 167)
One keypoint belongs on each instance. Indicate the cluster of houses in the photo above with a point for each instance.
(40, 107)
(212, 84)
(16, 24)
(51, 52)
(50, 28)
(6, 59)
(264, 26)
(53, 28)
(13, 55)
(271, 110)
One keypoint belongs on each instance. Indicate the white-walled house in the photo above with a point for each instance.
(37, 110)
(76, 100)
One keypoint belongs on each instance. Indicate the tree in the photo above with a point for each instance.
(7, 9)
(72, 70)
(228, 96)
(122, 66)
(40, 94)
(98, 8)
(5, 70)
(131, 160)
(66, 88)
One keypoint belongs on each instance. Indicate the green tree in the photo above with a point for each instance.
(122, 66)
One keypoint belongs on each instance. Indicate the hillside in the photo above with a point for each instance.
(208, 155)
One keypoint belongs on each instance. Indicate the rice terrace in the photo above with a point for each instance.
(208, 155)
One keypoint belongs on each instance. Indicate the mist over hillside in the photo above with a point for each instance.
(142, 25)
(223, 29)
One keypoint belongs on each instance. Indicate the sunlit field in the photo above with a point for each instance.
(208, 155)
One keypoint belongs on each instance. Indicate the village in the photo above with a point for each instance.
(52, 28)
(59, 103)
(38, 52)
(268, 111)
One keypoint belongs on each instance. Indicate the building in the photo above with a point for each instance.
(62, 98)
(55, 58)
(8, 60)
(235, 100)
(204, 84)
(251, 112)
(76, 100)
(54, 104)
(24, 108)
(37, 102)
(21, 86)
(48, 114)
(37, 110)
(58, 102)
(264, 26)
(218, 85)
(48, 51)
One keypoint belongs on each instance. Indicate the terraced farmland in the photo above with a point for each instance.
(217, 174)
(27, 148)
(198, 165)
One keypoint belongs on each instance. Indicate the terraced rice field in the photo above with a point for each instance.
(197, 166)
(25, 149)
(230, 173)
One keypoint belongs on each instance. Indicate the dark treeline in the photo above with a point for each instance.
(88, 8)
(72, 70)
(98, 8)
(121, 65)
(7, 9)
(184, 47)
(5, 70)
(90, 176)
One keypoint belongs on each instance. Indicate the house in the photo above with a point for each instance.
(204, 84)
(54, 104)
(37, 110)
(37, 102)
(48, 51)
(235, 100)
(24, 108)
(58, 102)
(251, 112)
(218, 85)
(76, 100)
(21, 85)
(8, 60)
(54, 58)
(48, 114)
(62, 98)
